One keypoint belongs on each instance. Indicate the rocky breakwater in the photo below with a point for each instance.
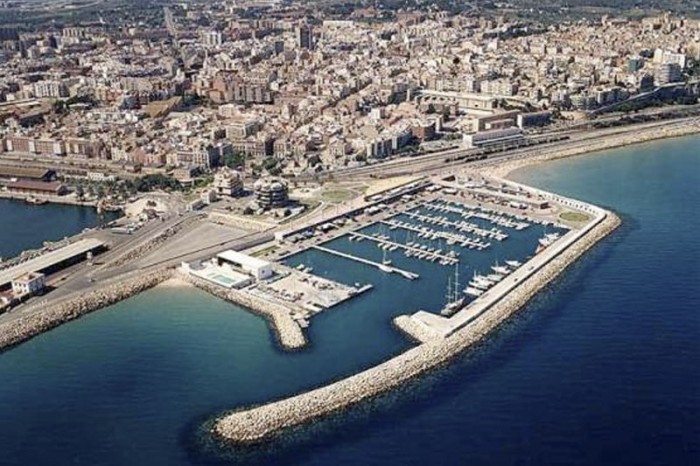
(286, 330)
(259, 423)
(37, 319)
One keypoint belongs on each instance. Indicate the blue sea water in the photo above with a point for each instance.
(601, 368)
(24, 226)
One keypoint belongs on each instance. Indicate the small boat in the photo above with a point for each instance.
(500, 269)
(514, 264)
(34, 201)
(473, 292)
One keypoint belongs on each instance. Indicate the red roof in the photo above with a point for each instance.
(46, 186)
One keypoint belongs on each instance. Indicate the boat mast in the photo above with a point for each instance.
(456, 289)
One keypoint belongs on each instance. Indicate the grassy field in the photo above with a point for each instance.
(576, 217)
(338, 195)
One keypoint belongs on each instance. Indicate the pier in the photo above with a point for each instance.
(450, 238)
(429, 254)
(475, 212)
(382, 267)
(461, 226)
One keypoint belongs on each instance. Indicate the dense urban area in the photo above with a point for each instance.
(122, 104)
(247, 148)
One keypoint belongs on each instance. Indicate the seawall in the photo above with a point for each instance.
(256, 424)
(287, 331)
(38, 318)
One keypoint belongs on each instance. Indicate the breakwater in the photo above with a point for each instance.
(286, 330)
(39, 318)
(259, 423)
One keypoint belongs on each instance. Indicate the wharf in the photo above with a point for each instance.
(475, 212)
(461, 226)
(382, 267)
(448, 237)
(442, 257)
(50, 260)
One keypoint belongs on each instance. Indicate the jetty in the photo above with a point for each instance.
(461, 226)
(450, 238)
(382, 267)
(446, 259)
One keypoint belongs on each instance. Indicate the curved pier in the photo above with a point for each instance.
(259, 423)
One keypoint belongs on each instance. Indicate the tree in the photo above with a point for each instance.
(269, 163)
(235, 160)
(80, 192)
(60, 107)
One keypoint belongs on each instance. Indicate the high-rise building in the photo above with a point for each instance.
(635, 64)
(668, 73)
(211, 38)
(305, 39)
(271, 192)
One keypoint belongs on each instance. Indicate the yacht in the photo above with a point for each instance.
(473, 291)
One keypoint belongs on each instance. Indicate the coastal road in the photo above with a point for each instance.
(426, 164)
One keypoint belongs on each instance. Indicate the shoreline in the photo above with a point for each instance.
(504, 169)
(257, 424)
(286, 330)
(39, 318)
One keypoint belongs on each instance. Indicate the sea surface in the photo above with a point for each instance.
(601, 368)
(24, 226)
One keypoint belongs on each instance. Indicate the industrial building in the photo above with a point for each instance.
(505, 136)
(52, 261)
(46, 188)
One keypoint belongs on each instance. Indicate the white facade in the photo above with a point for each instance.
(29, 284)
(258, 268)
(496, 136)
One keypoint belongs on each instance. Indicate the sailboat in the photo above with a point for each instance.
(384, 266)
(454, 300)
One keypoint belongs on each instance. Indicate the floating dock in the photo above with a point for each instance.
(382, 267)
(450, 238)
(448, 259)
(461, 226)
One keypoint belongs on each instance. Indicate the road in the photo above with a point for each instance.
(427, 164)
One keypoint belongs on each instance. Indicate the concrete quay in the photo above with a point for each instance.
(287, 331)
(152, 243)
(38, 319)
(254, 425)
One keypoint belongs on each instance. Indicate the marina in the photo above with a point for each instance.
(186, 355)
(432, 237)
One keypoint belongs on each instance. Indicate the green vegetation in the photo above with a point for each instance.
(235, 160)
(152, 182)
(338, 195)
(576, 217)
